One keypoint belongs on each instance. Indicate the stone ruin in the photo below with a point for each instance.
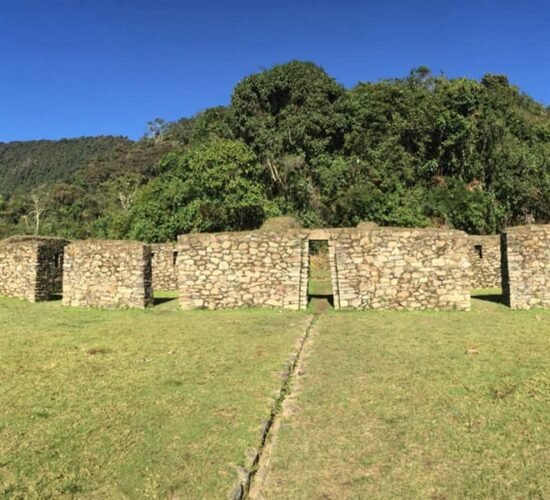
(370, 267)
(31, 267)
(484, 254)
(164, 257)
(526, 266)
(108, 274)
(243, 269)
(394, 268)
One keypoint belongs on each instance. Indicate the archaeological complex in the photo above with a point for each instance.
(371, 267)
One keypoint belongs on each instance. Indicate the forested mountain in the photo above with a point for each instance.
(417, 151)
(27, 164)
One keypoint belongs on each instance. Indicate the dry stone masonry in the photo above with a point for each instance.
(376, 268)
(484, 253)
(526, 266)
(393, 268)
(164, 266)
(108, 274)
(243, 269)
(31, 267)
(371, 268)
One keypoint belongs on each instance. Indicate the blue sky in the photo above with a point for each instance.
(70, 68)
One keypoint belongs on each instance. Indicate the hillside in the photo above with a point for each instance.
(28, 164)
(420, 151)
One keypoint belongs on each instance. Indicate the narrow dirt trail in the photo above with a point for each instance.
(286, 409)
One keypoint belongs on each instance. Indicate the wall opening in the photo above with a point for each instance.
(479, 250)
(320, 292)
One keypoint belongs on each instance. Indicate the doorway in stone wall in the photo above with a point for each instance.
(320, 292)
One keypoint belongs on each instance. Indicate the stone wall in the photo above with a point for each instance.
(31, 267)
(394, 268)
(243, 269)
(109, 274)
(526, 266)
(484, 253)
(164, 266)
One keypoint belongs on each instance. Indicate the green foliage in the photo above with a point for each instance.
(215, 187)
(26, 165)
(289, 109)
(417, 151)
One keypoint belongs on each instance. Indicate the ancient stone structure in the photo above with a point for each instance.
(371, 268)
(109, 274)
(31, 267)
(526, 266)
(164, 266)
(484, 253)
(394, 268)
(243, 269)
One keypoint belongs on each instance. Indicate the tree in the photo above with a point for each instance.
(215, 187)
(39, 200)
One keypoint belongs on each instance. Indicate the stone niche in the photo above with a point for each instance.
(484, 253)
(243, 269)
(526, 266)
(394, 268)
(164, 257)
(31, 267)
(108, 274)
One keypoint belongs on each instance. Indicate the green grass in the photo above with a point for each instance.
(134, 404)
(420, 405)
(319, 285)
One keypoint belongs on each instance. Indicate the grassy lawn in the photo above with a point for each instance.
(134, 404)
(319, 285)
(420, 405)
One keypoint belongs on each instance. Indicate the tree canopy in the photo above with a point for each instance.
(422, 150)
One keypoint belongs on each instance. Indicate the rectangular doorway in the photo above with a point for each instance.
(320, 292)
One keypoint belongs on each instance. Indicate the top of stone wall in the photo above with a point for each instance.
(160, 246)
(321, 233)
(109, 243)
(484, 237)
(32, 240)
(528, 228)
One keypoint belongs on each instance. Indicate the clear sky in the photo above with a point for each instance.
(86, 67)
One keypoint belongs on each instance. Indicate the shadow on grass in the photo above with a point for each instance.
(157, 301)
(494, 298)
(318, 303)
(55, 297)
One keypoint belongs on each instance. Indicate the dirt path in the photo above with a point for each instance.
(287, 408)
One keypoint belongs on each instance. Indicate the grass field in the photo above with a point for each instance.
(134, 404)
(419, 405)
(164, 403)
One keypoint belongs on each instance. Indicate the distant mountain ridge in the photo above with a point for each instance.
(28, 164)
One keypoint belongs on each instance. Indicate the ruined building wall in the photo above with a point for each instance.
(109, 274)
(164, 266)
(484, 254)
(526, 266)
(243, 269)
(393, 268)
(31, 267)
